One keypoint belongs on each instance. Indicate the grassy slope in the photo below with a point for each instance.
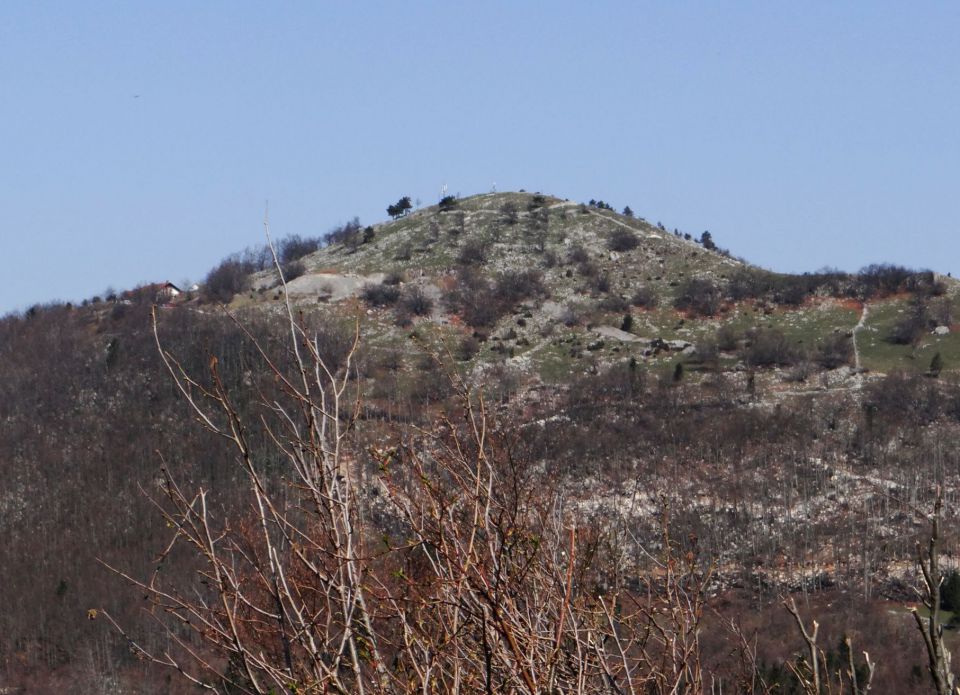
(424, 246)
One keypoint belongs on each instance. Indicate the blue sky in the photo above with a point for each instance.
(140, 140)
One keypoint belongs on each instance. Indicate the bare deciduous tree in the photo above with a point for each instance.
(814, 675)
(472, 578)
(938, 656)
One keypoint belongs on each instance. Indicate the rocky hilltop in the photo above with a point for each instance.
(557, 288)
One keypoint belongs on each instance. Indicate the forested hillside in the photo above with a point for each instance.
(661, 424)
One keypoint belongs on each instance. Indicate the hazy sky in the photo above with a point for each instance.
(140, 140)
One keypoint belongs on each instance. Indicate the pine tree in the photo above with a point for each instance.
(400, 208)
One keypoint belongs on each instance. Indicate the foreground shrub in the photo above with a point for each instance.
(415, 561)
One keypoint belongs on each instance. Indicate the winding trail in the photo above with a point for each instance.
(856, 329)
(632, 228)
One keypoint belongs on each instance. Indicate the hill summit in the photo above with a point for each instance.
(557, 286)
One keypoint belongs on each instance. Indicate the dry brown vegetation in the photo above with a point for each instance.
(559, 547)
(294, 507)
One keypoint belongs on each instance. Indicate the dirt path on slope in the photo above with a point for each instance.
(656, 235)
(856, 329)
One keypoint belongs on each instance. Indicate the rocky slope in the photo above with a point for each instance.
(597, 287)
